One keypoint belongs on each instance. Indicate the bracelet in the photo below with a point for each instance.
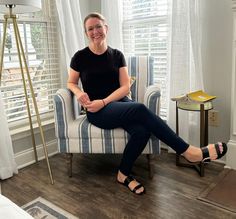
(103, 102)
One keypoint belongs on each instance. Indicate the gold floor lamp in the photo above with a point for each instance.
(10, 8)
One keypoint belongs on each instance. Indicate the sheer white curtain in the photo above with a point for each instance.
(7, 161)
(71, 26)
(112, 11)
(186, 65)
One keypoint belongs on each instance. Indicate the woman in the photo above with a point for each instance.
(106, 83)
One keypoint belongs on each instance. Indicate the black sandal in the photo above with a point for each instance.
(206, 155)
(128, 180)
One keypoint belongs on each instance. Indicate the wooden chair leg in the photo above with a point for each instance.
(69, 157)
(150, 165)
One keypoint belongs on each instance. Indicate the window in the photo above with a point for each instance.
(145, 32)
(39, 38)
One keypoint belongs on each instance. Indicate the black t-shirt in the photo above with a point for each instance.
(99, 74)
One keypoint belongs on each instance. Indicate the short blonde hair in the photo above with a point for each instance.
(94, 15)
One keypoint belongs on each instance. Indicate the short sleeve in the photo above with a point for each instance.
(122, 60)
(74, 63)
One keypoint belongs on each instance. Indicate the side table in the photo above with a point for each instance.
(203, 108)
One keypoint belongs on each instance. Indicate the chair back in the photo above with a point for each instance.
(141, 69)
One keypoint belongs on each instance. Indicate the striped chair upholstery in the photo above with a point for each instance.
(76, 135)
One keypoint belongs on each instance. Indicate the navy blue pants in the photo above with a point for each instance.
(140, 123)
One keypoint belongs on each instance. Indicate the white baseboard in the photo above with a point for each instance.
(26, 157)
(230, 156)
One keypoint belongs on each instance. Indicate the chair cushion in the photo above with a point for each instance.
(81, 128)
(80, 136)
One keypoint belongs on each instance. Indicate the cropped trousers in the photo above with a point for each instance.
(140, 123)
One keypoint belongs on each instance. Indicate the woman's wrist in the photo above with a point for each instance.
(104, 103)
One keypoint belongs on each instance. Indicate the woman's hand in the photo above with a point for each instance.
(95, 105)
(83, 99)
(72, 84)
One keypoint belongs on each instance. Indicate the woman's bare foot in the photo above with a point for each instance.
(194, 154)
(132, 185)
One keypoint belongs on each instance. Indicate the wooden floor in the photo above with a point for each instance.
(93, 192)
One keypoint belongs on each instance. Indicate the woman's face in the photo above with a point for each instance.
(96, 30)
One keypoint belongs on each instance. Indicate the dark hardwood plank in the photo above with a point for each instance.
(93, 192)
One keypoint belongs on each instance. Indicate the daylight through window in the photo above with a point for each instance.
(145, 32)
(39, 37)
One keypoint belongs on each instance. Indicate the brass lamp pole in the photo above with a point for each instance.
(22, 61)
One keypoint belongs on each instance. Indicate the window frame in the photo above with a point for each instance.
(48, 18)
(160, 78)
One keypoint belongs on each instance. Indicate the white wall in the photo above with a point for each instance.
(217, 61)
(23, 147)
(230, 157)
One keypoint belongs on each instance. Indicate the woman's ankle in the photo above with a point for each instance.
(193, 154)
(120, 176)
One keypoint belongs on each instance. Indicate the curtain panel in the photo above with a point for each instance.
(71, 26)
(112, 11)
(7, 161)
(185, 69)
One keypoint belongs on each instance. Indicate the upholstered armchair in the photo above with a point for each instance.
(76, 135)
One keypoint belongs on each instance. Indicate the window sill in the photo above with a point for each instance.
(21, 129)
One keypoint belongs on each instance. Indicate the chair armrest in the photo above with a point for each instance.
(63, 111)
(63, 103)
(152, 98)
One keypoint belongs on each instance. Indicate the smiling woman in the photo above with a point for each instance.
(106, 83)
(96, 31)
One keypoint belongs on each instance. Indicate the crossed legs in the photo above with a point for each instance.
(140, 122)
